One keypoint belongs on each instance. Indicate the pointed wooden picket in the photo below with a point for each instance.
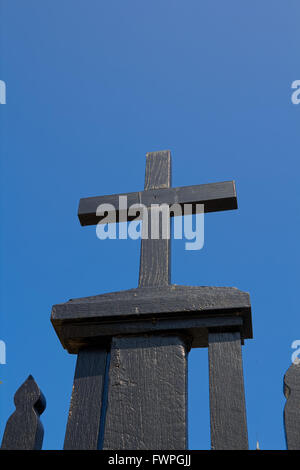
(292, 406)
(24, 430)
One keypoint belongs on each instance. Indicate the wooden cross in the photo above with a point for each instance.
(155, 254)
(130, 385)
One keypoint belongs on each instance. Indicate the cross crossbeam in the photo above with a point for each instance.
(214, 196)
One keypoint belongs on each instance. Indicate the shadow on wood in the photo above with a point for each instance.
(84, 422)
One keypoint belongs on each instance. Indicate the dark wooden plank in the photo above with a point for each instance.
(153, 325)
(74, 337)
(147, 400)
(209, 293)
(226, 392)
(85, 320)
(158, 174)
(86, 406)
(292, 406)
(216, 197)
(24, 429)
(169, 299)
(155, 253)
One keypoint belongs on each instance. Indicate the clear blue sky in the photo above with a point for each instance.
(91, 87)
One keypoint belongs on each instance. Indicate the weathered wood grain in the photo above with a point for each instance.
(155, 253)
(24, 429)
(169, 300)
(292, 406)
(75, 337)
(81, 321)
(158, 174)
(216, 197)
(147, 399)
(86, 405)
(206, 296)
(226, 392)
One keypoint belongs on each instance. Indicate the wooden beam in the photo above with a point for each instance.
(155, 267)
(84, 321)
(228, 425)
(138, 302)
(215, 197)
(83, 427)
(147, 399)
(74, 337)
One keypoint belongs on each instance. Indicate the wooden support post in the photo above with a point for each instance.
(292, 406)
(226, 392)
(24, 429)
(83, 428)
(147, 400)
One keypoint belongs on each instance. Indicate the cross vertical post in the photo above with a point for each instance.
(155, 254)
